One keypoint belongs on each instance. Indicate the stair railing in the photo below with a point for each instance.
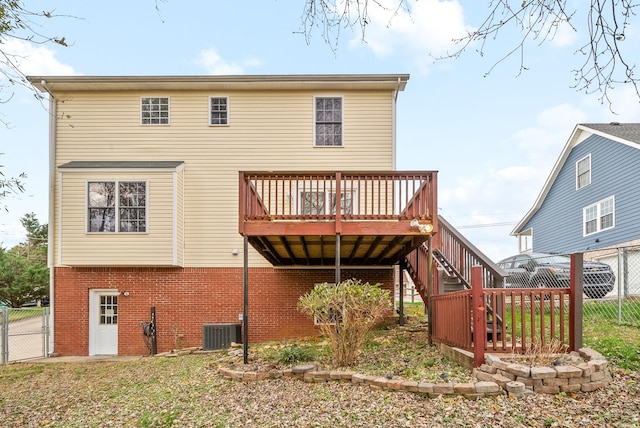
(463, 255)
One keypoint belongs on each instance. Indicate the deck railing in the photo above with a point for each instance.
(459, 253)
(337, 196)
(532, 319)
(463, 255)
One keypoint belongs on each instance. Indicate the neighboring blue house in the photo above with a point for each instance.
(591, 199)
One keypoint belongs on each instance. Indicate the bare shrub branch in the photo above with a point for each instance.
(344, 314)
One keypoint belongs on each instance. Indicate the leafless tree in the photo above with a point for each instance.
(19, 23)
(604, 58)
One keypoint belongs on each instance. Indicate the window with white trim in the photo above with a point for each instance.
(599, 216)
(583, 172)
(328, 121)
(154, 110)
(319, 202)
(218, 111)
(117, 206)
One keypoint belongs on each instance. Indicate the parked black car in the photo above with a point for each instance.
(540, 270)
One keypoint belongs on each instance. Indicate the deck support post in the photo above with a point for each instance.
(401, 293)
(337, 277)
(245, 304)
(430, 287)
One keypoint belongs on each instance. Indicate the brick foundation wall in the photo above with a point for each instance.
(187, 298)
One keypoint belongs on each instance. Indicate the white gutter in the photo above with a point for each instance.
(53, 114)
(393, 125)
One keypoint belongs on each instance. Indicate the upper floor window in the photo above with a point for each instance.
(599, 216)
(117, 206)
(154, 110)
(328, 120)
(583, 172)
(219, 111)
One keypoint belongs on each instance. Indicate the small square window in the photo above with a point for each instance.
(219, 111)
(154, 110)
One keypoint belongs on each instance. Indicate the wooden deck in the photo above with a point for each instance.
(337, 218)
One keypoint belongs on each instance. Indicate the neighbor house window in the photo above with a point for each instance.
(321, 202)
(219, 111)
(599, 216)
(154, 110)
(583, 172)
(117, 206)
(328, 117)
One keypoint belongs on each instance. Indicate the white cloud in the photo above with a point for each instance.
(213, 63)
(36, 59)
(543, 142)
(625, 106)
(564, 36)
(430, 27)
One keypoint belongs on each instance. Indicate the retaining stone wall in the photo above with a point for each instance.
(495, 377)
(588, 373)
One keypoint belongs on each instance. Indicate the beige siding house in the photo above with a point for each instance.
(145, 210)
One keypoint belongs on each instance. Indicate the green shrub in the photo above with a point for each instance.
(345, 313)
(295, 354)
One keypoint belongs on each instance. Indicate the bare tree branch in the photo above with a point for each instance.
(20, 23)
(605, 63)
(332, 16)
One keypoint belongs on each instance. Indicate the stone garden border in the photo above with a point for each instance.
(495, 377)
(588, 373)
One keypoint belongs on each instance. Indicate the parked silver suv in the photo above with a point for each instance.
(540, 270)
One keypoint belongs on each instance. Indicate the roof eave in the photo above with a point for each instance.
(293, 81)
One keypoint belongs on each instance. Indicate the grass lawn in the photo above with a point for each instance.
(187, 391)
(24, 313)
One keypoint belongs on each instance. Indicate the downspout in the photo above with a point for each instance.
(53, 115)
(393, 125)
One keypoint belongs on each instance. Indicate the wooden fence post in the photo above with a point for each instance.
(479, 312)
(576, 288)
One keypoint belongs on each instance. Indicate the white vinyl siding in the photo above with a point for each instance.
(599, 216)
(583, 172)
(271, 131)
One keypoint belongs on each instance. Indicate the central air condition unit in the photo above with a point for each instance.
(220, 336)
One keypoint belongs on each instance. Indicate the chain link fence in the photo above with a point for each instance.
(24, 334)
(611, 280)
(622, 304)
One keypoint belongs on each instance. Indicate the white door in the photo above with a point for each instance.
(103, 322)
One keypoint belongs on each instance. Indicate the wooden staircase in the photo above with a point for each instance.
(453, 257)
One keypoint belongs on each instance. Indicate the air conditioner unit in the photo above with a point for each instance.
(220, 336)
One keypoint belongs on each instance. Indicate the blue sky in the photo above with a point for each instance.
(493, 139)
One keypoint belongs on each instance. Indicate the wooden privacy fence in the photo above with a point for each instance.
(523, 318)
